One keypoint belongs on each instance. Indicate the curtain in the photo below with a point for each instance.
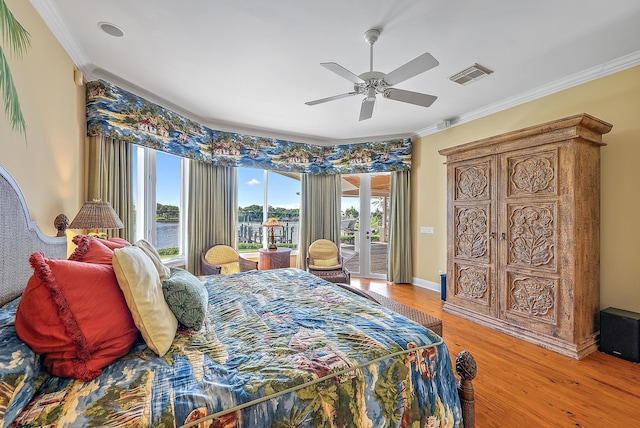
(399, 268)
(320, 213)
(212, 209)
(110, 178)
(112, 116)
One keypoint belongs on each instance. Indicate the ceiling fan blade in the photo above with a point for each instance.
(414, 67)
(366, 111)
(341, 71)
(410, 97)
(335, 97)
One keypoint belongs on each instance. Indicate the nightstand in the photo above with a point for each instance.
(274, 259)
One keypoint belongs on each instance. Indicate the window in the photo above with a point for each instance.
(263, 194)
(160, 201)
(158, 180)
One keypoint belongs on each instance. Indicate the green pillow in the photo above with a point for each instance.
(187, 298)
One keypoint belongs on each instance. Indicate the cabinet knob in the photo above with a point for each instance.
(503, 236)
(492, 235)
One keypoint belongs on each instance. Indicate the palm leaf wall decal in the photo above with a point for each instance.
(18, 40)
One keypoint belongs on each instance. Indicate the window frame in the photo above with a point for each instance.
(265, 212)
(146, 202)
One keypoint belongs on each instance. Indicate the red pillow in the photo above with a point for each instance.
(94, 250)
(75, 315)
(116, 242)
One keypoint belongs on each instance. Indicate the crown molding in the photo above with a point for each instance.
(49, 14)
(593, 73)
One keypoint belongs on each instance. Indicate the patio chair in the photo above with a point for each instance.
(224, 259)
(325, 261)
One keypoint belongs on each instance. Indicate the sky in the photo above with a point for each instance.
(283, 191)
(167, 179)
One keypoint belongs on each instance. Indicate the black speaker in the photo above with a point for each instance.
(620, 333)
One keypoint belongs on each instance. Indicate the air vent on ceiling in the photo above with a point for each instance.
(471, 74)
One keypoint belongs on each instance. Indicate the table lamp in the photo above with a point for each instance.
(96, 215)
(271, 223)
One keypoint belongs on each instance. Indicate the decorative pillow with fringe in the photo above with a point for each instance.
(95, 250)
(75, 315)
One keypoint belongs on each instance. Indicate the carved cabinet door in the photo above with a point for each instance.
(471, 279)
(523, 233)
(528, 212)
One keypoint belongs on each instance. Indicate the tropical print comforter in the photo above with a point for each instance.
(279, 348)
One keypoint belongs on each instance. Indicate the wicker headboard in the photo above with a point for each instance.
(19, 237)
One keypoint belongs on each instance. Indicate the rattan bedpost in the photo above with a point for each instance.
(466, 369)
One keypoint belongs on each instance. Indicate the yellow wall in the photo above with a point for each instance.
(48, 166)
(48, 163)
(614, 99)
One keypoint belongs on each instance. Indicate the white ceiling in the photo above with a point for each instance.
(250, 65)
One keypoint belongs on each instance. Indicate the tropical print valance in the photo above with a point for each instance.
(119, 114)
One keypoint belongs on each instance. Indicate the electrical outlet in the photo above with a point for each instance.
(426, 229)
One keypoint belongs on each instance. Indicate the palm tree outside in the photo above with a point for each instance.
(18, 39)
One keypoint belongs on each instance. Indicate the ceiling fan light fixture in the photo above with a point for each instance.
(371, 93)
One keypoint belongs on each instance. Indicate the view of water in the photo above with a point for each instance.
(168, 233)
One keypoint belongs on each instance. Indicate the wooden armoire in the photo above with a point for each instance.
(523, 233)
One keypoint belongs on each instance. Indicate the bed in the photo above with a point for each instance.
(279, 348)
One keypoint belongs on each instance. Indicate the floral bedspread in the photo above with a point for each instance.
(280, 348)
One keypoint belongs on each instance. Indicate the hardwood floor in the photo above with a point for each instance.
(523, 385)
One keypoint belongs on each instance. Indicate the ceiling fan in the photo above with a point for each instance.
(372, 82)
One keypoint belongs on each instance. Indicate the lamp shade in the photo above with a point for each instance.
(272, 222)
(96, 215)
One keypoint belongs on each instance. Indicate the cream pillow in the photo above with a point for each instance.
(152, 253)
(142, 288)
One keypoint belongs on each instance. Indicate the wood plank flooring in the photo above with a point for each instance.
(523, 385)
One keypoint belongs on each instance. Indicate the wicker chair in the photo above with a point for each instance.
(224, 259)
(325, 261)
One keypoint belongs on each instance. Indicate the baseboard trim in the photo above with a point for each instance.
(429, 285)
